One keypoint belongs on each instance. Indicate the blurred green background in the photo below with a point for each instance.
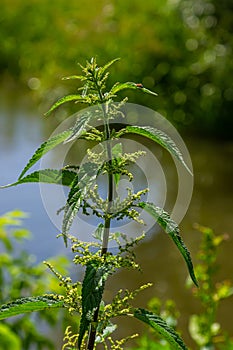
(180, 48)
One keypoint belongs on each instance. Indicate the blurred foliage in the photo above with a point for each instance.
(181, 49)
(20, 276)
(203, 327)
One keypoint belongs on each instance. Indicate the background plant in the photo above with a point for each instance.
(20, 276)
(204, 327)
(86, 297)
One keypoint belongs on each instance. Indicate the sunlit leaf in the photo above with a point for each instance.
(9, 338)
(159, 137)
(64, 100)
(13, 218)
(148, 91)
(53, 176)
(109, 64)
(161, 327)
(172, 229)
(19, 234)
(129, 85)
(44, 148)
(29, 304)
(80, 77)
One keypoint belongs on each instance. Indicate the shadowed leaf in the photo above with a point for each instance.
(92, 291)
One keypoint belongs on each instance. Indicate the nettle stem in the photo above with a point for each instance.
(107, 220)
(107, 225)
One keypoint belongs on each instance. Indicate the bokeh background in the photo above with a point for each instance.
(182, 49)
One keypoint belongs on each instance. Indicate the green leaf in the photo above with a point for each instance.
(80, 77)
(196, 331)
(104, 332)
(148, 91)
(29, 304)
(117, 178)
(58, 177)
(129, 85)
(12, 218)
(109, 64)
(9, 339)
(80, 126)
(117, 150)
(159, 137)
(44, 148)
(99, 232)
(65, 99)
(80, 187)
(172, 229)
(92, 291)
(161, 327)
(117, 153)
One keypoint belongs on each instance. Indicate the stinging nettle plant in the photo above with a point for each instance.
(84, 299)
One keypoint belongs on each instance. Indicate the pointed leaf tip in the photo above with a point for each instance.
(159, 137)
(161, 327)
(171, 228)
(44, 148)
(109, 64)
(130, 85)
(147, 91)
(52, 176)
(64, 100)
